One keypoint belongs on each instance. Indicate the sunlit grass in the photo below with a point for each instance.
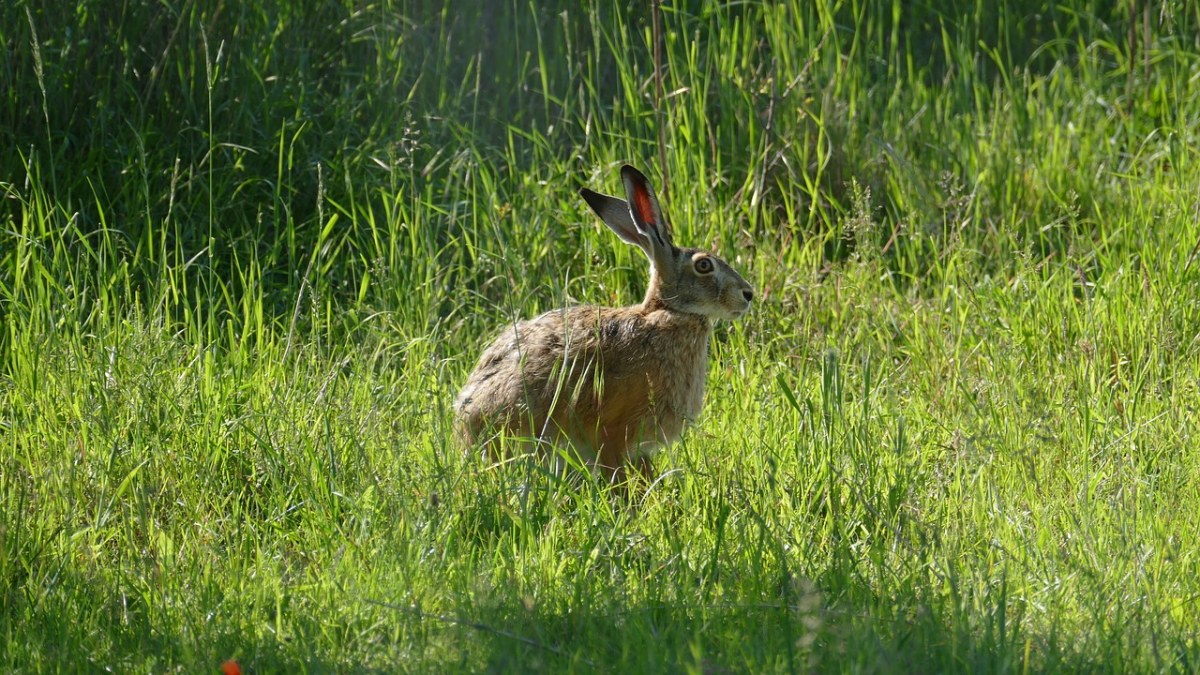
(248, 255)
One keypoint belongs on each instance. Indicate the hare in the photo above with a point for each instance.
(616, 384)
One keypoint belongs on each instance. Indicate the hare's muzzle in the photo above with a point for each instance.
(740, 301)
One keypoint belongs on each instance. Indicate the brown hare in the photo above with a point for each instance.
(615, 383)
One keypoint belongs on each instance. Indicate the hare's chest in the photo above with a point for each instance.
(685, 395)
(678, 393)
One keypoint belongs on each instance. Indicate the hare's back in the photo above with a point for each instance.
(512, 373)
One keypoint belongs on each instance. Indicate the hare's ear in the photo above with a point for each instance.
(646, 212)
(615, 214)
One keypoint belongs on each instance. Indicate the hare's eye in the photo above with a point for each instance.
(703, 266)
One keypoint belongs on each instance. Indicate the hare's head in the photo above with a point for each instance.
(688, 280)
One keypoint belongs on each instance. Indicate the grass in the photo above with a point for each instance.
(249, 252)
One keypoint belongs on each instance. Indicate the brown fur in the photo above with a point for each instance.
(616, 383)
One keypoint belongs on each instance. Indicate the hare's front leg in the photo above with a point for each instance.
(610, 458)
(645, 467)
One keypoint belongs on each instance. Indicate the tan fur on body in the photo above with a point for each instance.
(616, 383)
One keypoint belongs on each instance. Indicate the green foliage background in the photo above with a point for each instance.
(249, 250)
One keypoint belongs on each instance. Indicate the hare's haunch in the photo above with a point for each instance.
(614, 383)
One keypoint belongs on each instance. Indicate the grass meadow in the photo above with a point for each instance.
(249, 251)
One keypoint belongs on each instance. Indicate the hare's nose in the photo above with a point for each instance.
(748, 294)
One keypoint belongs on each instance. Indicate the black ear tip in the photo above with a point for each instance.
(630, 171)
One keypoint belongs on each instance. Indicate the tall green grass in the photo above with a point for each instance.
(248, 252)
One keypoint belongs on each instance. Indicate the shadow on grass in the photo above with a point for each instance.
(762, 637)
